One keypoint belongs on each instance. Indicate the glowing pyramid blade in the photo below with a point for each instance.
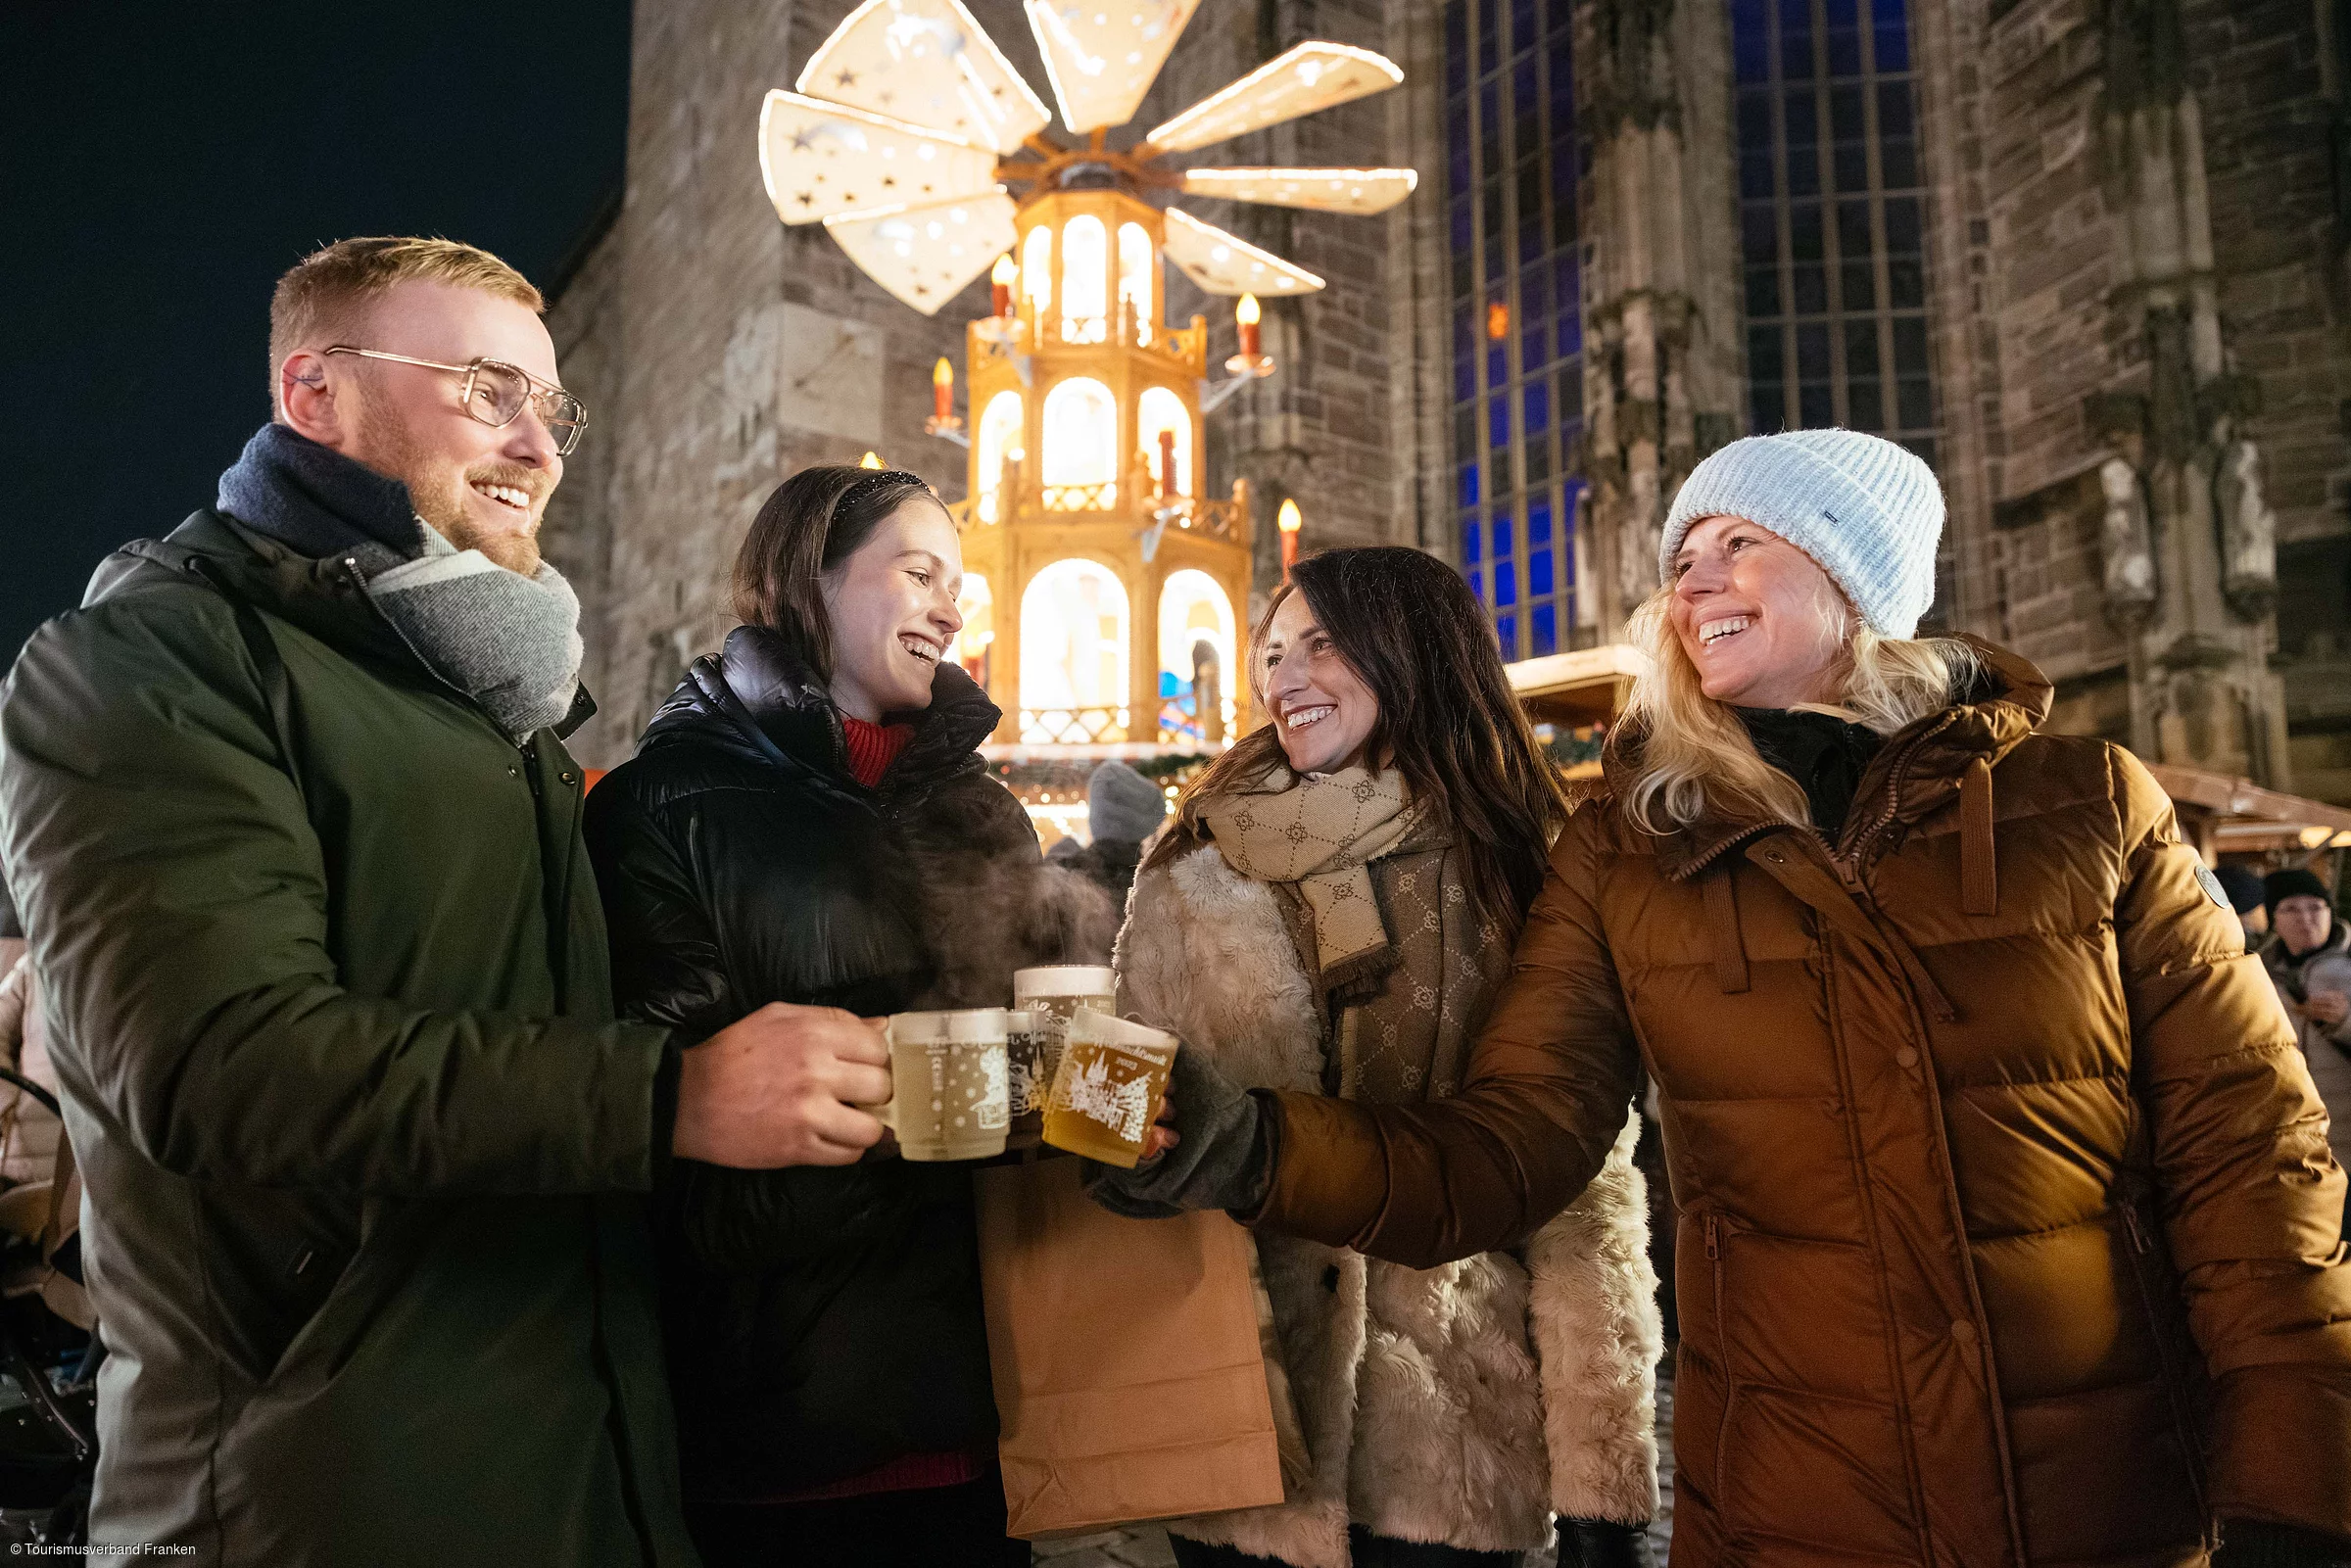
(1360, 191)
(929, 63)
(1226, 264)
(1310, 77)
(1102, 56)
(818, 159)
(926, 255)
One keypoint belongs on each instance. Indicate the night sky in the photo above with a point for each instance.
(160, 167)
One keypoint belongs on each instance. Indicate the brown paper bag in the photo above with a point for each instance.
(1127, 1353)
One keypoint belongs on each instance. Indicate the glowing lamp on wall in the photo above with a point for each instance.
(1289, 522)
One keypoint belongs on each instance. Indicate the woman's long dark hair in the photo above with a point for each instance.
(813, 522)
(1409, 626)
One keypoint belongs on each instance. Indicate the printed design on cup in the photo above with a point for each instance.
(993, 1110)
(1124, 1108)
(949, 1084)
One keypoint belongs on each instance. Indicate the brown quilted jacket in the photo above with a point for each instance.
(2009, 1234)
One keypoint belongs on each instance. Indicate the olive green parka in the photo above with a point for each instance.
(326, 976)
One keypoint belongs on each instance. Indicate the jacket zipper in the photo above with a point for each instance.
(1722, 1350)
(2174, 1391)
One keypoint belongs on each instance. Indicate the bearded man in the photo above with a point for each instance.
(298, 847)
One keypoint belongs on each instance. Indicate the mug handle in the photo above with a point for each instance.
(886, 1111)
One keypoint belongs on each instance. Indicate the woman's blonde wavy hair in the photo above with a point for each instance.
(1690, 754)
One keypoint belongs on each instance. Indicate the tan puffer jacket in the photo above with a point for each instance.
(2009, 1234)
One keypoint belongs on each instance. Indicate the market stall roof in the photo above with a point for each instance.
(2222, 815)
(1584, 688)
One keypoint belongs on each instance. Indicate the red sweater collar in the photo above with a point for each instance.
(873, 748)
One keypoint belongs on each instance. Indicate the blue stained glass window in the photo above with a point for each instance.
(1513, 170)
(1838, 175)
(1892, 36)
(1506, 631)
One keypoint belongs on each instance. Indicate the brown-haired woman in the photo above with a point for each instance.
(2009, 1233)
(806, 821)
(1335, 908)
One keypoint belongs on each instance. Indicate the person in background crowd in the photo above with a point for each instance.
(297, 847)
(2009, 1229)
(1334, 907)
(2309, 960)
(2242, 885)
(1122, 808)
(807, 820)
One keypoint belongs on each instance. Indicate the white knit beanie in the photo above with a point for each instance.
(1870, 513)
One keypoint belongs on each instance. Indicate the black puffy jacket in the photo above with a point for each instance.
(820, 1321)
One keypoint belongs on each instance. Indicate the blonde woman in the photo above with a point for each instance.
(2009, 1233)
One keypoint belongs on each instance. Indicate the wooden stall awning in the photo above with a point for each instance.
(1584, 688)
(2222, 815)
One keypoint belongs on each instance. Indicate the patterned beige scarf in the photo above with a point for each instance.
(1403, 967)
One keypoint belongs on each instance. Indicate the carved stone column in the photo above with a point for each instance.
(1660, 367)
(2201, 691)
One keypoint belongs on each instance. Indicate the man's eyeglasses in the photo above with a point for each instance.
(496, 392)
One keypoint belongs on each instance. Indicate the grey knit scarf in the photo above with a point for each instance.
(510, 643)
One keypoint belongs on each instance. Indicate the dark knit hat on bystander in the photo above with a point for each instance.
(2294, 883)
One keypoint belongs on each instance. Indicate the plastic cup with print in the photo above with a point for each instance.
(1051, 993)
(1108, 1087)
(948, 1097)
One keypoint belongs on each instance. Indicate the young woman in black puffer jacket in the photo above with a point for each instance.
(806, 821)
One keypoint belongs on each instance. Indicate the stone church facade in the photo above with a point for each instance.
(2090, 257)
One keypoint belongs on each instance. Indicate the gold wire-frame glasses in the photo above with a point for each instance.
(496, 392)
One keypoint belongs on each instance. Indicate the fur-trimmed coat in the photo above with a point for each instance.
(1461, 1405)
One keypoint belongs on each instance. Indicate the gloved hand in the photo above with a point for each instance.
(2258, 1543)
(1598, 1544)
(1223, 1157)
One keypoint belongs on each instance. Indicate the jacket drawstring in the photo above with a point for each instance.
(1722, 920)
(1979, 870)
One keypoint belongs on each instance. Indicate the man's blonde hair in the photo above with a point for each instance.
(319, 300)
(1695, 757)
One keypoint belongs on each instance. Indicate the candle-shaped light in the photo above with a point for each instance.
(1289, 522)
(1000, 284)
(1167, 462)
(1244, 316)
(942, 389)
(872, 459)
